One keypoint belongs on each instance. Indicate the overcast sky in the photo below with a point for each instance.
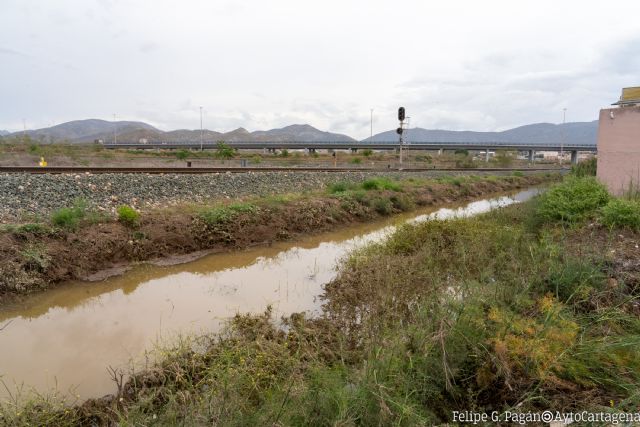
(460, 65)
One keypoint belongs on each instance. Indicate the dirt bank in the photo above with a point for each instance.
(37, 256)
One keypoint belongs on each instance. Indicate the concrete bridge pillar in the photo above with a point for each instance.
(440, 151)
(311, 150)
(354, 150)
(532, 156)
(486, 156)
(574, 157)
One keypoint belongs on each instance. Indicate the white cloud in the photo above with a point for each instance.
(262, 64)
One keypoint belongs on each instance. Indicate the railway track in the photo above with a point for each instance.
(187, 170)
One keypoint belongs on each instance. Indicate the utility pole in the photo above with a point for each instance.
(115, 130)
(371, 138)
(201, 134)
(564, 119)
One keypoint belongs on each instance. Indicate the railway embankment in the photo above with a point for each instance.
(30, 197)
(81, 241)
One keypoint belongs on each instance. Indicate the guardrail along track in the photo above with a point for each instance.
(187, 170)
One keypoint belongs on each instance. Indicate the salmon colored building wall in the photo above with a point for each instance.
(619, 148)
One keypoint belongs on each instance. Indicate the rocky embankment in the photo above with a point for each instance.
(25, 197)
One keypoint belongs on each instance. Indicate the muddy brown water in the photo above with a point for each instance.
(66, 338)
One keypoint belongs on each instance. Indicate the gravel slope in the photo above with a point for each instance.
(23, 196)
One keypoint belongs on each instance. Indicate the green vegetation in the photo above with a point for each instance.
(182, 154)
(223, 214)
(381, 184)
(367, 152)
(585, 168)
(224, 151)
(128, 215)
(621, 213)
(503, 158)
(340, 187)
(355, 161)
(36, 257)
(572, 200)
(70, 218)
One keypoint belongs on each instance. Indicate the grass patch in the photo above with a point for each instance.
(128, 215)
(70, 218)
(223, 214)
(381, 184)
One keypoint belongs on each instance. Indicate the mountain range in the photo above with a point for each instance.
(80, 131)
(577, 133)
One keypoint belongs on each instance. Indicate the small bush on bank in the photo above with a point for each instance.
(381, 184)
(383, 206)
(518, 173)
(339, 187)
(355, 161)
(128, 215)
(621, 213)
(572, 200)
(222, 214)
(70, 217)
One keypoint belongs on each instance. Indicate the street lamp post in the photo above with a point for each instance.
(564, 119)
(201, 134)
(371, 137)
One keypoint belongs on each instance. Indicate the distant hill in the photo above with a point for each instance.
(4, 132)
(84, 130)
(299, 133)
(80, 131)
(545, 133)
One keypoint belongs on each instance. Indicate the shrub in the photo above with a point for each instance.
(402, 202)
(356, 160)
(256, 159)
(575, 280)
(339, 187)
(128, 215)
(284, 153)
(383, 206)
(572, 200)
(182, 154)
(585, 168)
(223, 214)
(518, 173)
(621, 213)
(367, 152)
(70, 217)
(381, 184)
(223, 151)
